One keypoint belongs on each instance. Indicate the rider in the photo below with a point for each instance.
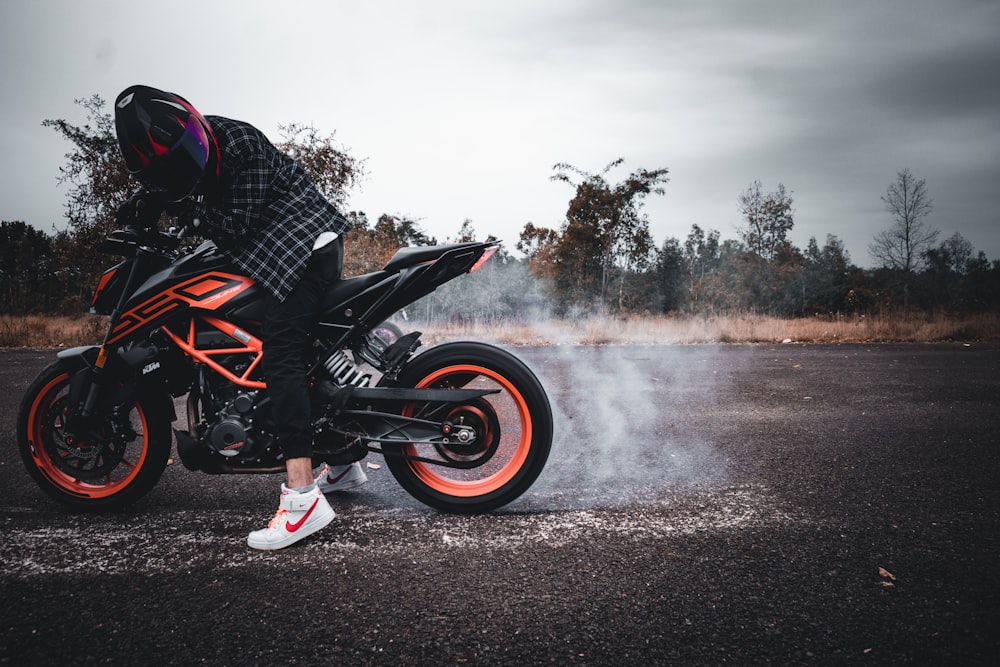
(264, 213)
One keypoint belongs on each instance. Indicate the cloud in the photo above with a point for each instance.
(463, 108)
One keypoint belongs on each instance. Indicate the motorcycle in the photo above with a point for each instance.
(464, 427)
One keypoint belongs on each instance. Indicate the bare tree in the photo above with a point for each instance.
(903, 245)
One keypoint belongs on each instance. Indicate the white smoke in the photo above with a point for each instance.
(620, 431)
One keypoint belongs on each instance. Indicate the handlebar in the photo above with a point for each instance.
(127, 241)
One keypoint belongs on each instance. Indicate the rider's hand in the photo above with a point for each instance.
(188, 212)
(140, 212)
(183, 210)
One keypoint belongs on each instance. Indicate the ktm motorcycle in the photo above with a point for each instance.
(464, 427)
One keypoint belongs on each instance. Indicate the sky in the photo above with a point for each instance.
(461, 109)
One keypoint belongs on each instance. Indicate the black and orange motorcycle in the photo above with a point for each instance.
(464, 427)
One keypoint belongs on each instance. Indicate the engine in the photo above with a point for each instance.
(233, 422)
(231, 428)
(232, 432)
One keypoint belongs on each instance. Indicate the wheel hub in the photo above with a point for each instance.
(88, 457)
(472, 435)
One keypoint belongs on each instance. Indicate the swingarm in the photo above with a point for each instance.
(457, 423)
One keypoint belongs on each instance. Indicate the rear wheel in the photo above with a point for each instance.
(500, 441)
(118, 461)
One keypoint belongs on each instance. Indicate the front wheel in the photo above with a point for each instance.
(117, 463)
(508, 433)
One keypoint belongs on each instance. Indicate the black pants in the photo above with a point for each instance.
(286, 336)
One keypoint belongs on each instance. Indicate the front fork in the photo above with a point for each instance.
(87, 387)
(85, 391)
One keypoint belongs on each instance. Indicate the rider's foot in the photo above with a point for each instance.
(299, 515)
(340, 478)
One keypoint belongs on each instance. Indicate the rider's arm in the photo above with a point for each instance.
(235, 212)
(141, 210)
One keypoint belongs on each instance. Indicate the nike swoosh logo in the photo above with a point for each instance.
(292, 526)
(331, 480)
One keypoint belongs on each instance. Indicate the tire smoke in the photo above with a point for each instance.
(614, 441)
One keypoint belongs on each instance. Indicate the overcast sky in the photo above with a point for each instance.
(461, 108)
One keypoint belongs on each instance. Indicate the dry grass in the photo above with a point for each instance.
(51, 331)
(743, 328)
(45, 331)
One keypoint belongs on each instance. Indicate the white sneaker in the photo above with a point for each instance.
(299, 515)
(340, 478)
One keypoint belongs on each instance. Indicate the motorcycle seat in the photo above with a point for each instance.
(405, 257)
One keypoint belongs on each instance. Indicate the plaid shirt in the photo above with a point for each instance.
(266, 213)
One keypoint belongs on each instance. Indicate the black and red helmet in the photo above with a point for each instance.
(166, 143)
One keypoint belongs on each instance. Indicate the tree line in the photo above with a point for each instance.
(601, 259)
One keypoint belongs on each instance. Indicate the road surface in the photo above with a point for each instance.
(829, 504)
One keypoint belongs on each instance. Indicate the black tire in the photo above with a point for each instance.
(514, 430)
(100, 476)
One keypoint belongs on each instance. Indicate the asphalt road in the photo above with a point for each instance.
(702, 505)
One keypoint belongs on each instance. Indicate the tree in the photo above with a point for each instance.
(672, 276)
(362, 254)
(100, 184)
(333, 171)
(948, 277)
(369, 247)
(958, 252)
(605, 230)
(701, 256)
(903, 245)
(579, 276)
(502, 290)
(825, 275)
(467, 233)
(403, 231)
(768, 217)
(770, 269)
(537, 243)
(25, 265)
(701, 252)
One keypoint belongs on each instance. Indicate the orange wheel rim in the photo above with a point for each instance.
(431, 475)
(64, 480)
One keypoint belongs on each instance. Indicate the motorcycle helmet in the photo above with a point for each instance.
(166, 143)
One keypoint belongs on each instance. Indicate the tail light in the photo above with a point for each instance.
(489, 252)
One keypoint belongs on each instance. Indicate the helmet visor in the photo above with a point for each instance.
(177, 171)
